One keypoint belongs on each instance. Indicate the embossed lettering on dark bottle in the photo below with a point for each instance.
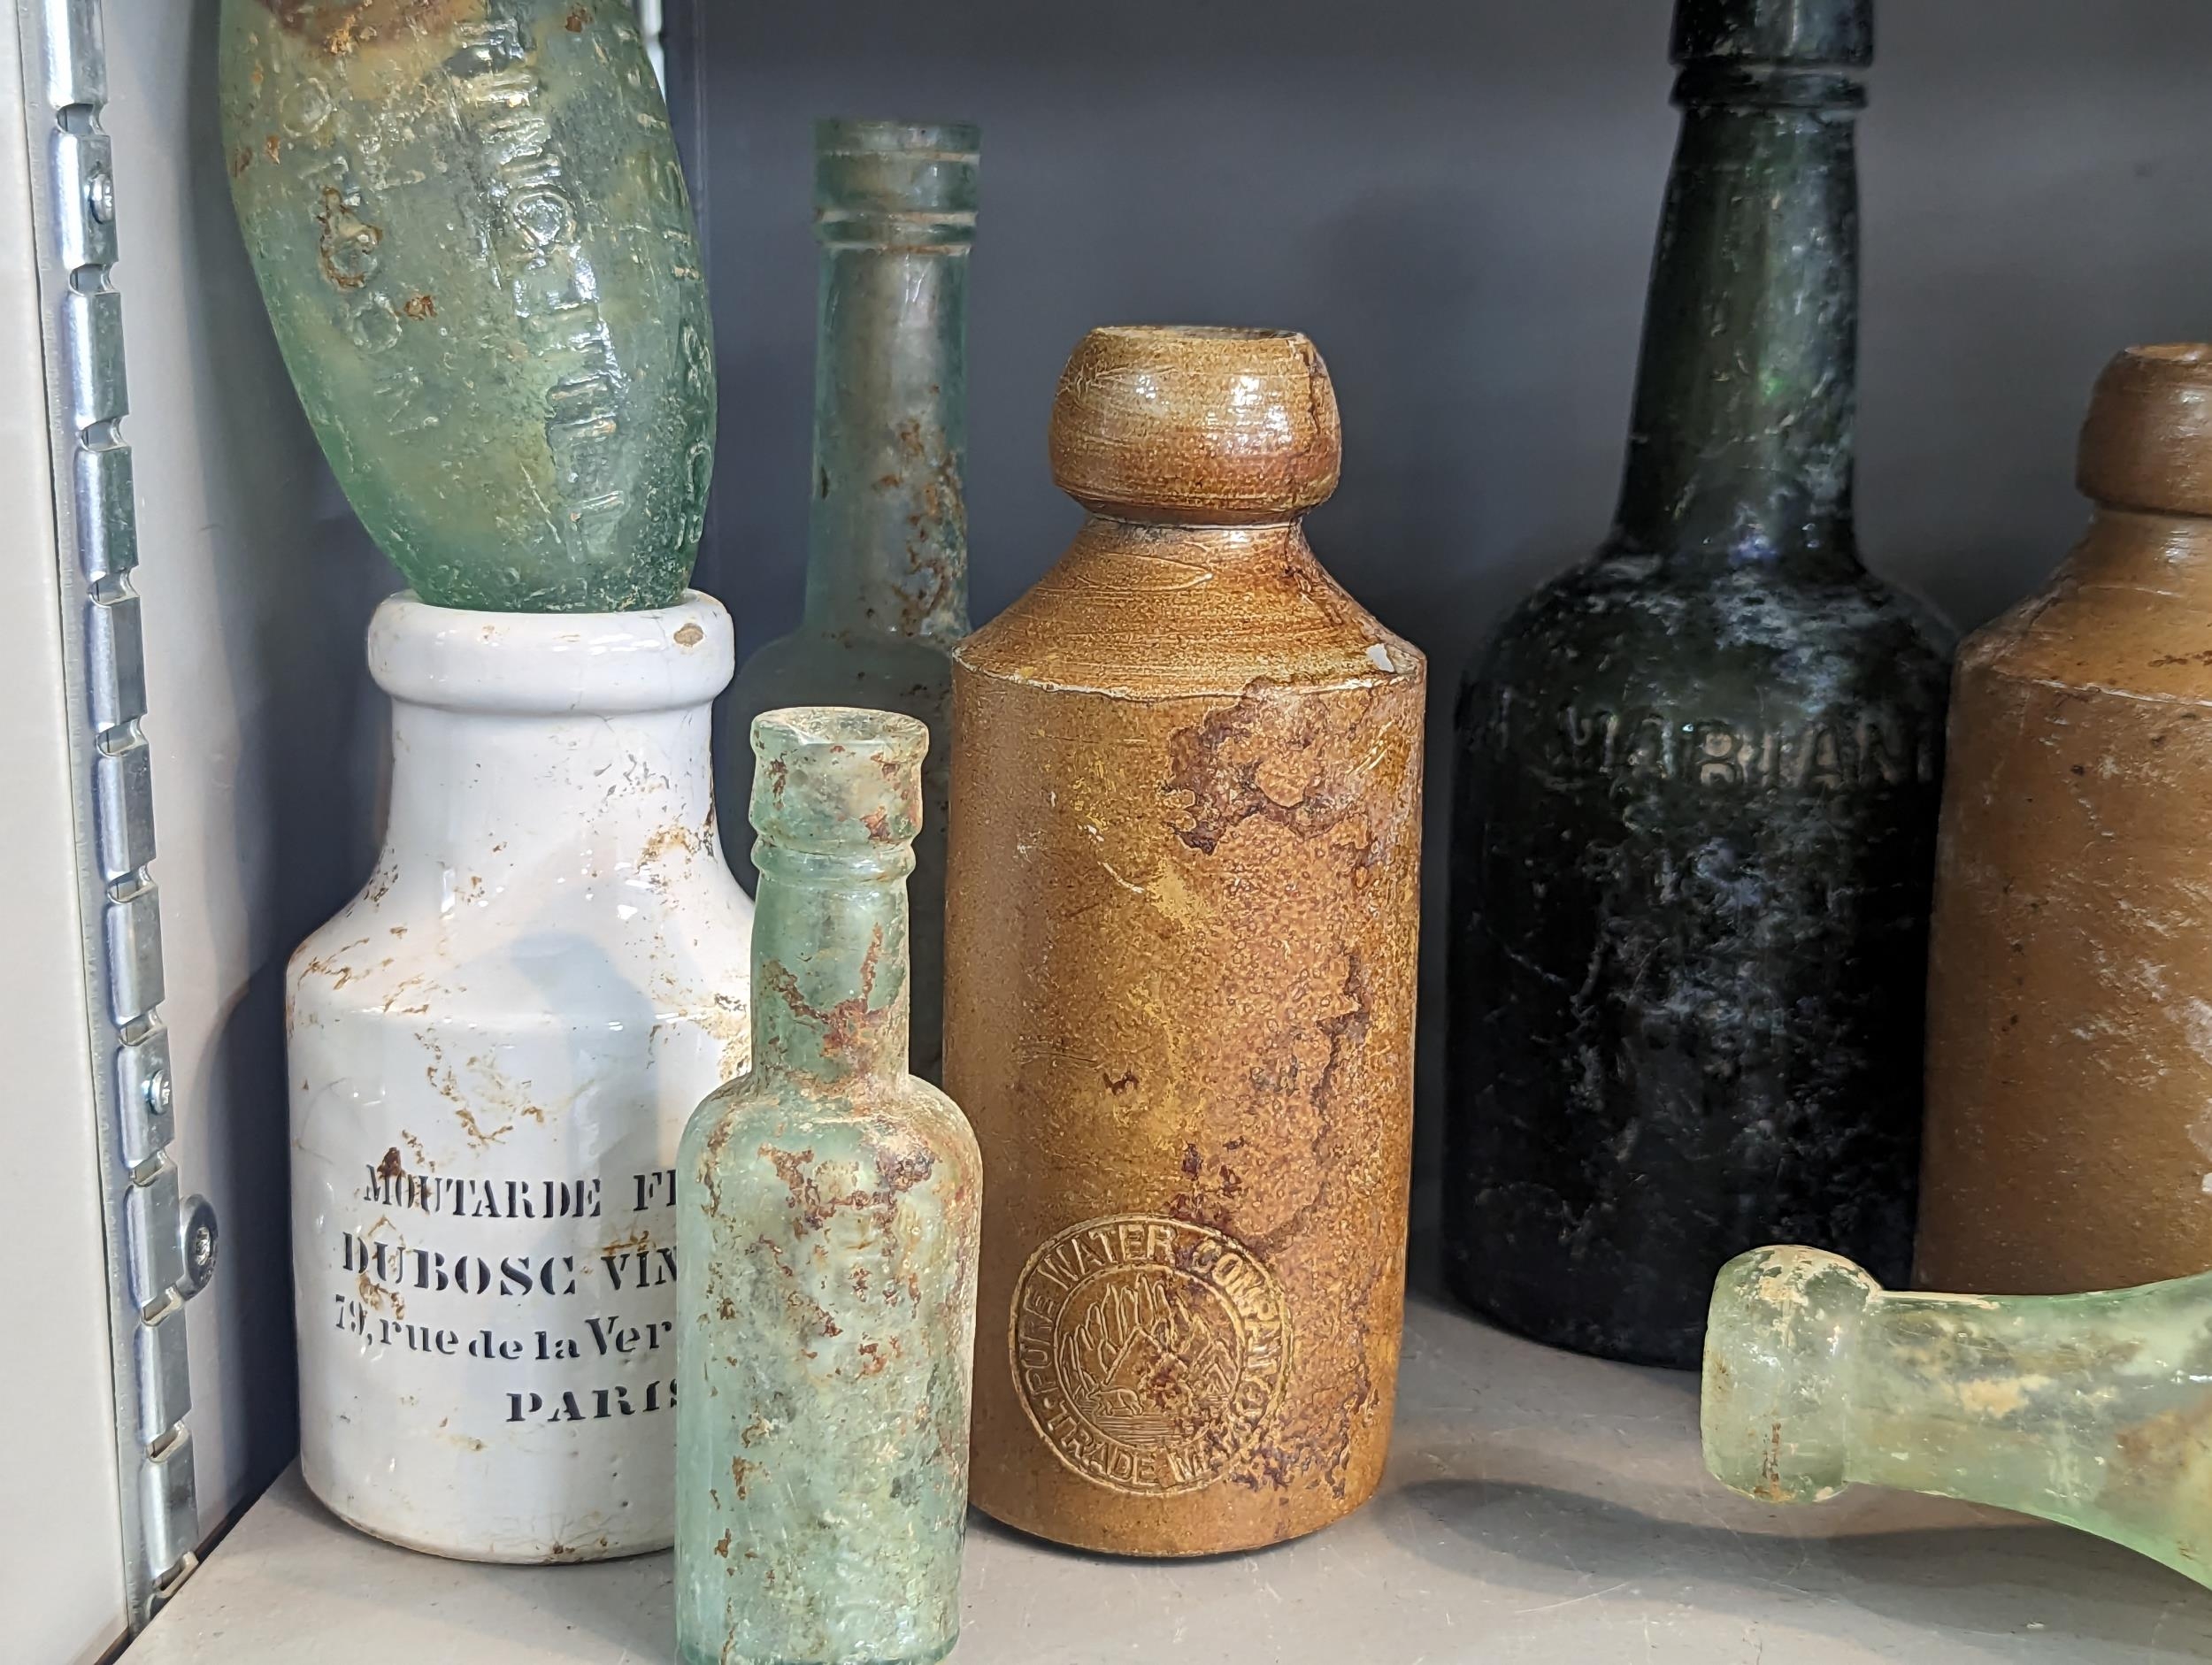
(1696, 787)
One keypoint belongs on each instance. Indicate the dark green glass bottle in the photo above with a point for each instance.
(1695, 813)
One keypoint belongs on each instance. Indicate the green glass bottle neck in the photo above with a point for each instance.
(2027, 1403)
(830, 963)
(887, 544)
(1742, 439)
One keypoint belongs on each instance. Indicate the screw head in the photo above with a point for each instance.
(198, 1232)
(160, 1094)
(99, 189)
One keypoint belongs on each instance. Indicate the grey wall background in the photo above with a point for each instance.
(1456, 201)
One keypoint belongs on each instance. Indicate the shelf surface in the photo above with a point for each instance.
(1539, 1509)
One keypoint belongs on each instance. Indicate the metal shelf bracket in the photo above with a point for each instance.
(161, 1245)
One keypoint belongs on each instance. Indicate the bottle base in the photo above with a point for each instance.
(555, 1554)
(1672, 1348)
(689, 1654)
(1149, 1542)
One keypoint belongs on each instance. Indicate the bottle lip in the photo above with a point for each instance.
(833, 780)
(1774, 1405)
(942, 141)
(1200, 424)
(896, 184)
(552, 664)
(2147, 440)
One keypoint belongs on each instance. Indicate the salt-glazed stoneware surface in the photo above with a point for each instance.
(1180, 948)
(1696, 777)
(830, 1205)
(493, 1050)
(2069, 1041)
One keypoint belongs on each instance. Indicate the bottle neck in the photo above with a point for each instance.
(2145, 549)
(1741, 444)
(831, 990)
(2031, 1404)
(887, 544)
(494, 796)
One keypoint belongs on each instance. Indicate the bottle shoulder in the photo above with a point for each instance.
(669, 941)
(2126, 627)
(911, 674)
(905, 1129)
(1157, 612)
(1624, 626)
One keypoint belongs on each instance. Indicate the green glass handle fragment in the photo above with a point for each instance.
(828, 1206)
(2084, 1409)
(473, 239)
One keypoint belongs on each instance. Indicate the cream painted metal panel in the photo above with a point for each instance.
(61, 1534)
(262, 725)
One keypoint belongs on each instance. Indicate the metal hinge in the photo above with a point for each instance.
(161, 1246)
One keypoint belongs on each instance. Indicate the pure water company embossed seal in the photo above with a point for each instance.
(1149, 1354)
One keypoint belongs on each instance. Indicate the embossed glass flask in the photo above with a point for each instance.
(474, 242)
(828, 1205)
(1695, 809)
(886, 577)
(2088, 1410)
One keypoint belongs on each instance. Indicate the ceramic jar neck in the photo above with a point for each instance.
(2143, 461)
(2168, 552)
(547, 749)
(1212, 553)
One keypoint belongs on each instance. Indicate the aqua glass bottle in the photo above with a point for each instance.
(2084, 1409)
(886, 576)
(474, 242)
(828, 1208)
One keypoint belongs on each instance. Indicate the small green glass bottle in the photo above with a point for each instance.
(886, 576)
(474, 240)
(828, 1206)
(2084, 1409)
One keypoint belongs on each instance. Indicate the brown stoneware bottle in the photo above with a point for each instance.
(2070, 997)
(1179, 971)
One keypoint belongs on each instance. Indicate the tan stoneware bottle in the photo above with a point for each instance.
(2070, 1015)
(1179, 971)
